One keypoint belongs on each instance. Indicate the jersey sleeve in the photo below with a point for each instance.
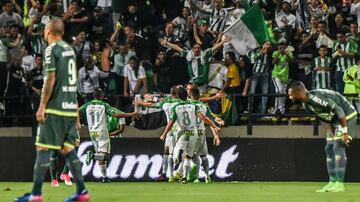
(49, 59)
(173, 115)
(109, 110)
(160, 104)
(83, 107)
(340, 113)
(142, 74)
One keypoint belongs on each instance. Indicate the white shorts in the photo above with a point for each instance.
(170, 142)
(101, 141)
(201, 145)
(186, 142)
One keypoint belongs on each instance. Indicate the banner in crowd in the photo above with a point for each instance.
(248, 32)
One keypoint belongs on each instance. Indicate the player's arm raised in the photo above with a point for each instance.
(127, 115)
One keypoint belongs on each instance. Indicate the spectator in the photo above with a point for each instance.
(37, 41)
(283, 18)
(260, 75)
(201, 35)
(233, 75)
(15, 87)
(338, 26)
(5, 44)
(89, 76)
(322, 37)
(317, 9)
(245, 81)
(198, 61)
(10, 17)
(162, 80)
(280, 75)
(134, 78)
(36, 80)
(218, 77)
(101, 28)
(82, 48)
(322, 70)
(344, 51)
(131, 16)
(305, 52)
(355, 10)
(181, 24)
(218, 15)
(354, 34)
(76, 18)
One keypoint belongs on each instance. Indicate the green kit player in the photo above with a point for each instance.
(116, 126)
(201, 149)
(97, 112)
(184, 114)
(166, 104)
(339, 118)
(57, 114)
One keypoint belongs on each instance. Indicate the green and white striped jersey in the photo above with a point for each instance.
(322, 78)
(343, 63)
(96, 115)
(184, 114)
(205, 110)
(167, 104)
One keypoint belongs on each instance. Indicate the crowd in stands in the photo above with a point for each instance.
(129, 47)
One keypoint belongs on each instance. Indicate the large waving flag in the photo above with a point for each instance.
(248, 32)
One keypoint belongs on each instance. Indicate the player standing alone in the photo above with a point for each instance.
(57, 114)
(339, 118)
(97, 113)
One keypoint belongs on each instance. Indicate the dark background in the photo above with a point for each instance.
(258, 159)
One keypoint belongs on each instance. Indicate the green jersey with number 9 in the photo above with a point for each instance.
(60, 59)
(185, 114)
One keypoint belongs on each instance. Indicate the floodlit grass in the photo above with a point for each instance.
(217, 192)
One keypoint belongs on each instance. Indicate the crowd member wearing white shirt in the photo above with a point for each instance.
(134, 78)
(284, 18)
(355, 10)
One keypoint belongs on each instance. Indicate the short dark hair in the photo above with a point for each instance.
(174, 91)
(323, 23)
(98, 93)
(231, 55)
(135, 59)
(195, 93)
(56, 26)
(182, 94)
(297, 86)
(323, 46)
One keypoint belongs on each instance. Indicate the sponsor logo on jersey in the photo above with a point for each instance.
(69, 105)
(68, 53)
(320, 101)
(69, 89)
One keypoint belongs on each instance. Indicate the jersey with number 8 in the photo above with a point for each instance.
(60, 59)
(185, 114)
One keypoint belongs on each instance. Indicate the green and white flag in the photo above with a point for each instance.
(248, 32)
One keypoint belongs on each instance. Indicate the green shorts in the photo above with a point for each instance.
(56, 132)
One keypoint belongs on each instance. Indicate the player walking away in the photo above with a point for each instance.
(339, 118)
(96, 116)
(201, 149)
(166, 104)
(57, 114)
(184, 114)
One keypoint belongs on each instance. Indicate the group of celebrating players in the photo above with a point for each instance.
(184, 135)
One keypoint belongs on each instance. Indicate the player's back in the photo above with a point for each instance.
(168, 105)
(60, 59)
(185, 115)
(96, 115)
(202, 108)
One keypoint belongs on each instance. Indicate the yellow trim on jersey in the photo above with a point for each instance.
(351, 115)
(67, 144)
(61, 113)
(49, 146)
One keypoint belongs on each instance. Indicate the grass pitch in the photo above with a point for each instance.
(215, 192)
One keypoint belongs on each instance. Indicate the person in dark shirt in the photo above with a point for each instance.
(162, 79)
(36, 80)
(338, 116)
